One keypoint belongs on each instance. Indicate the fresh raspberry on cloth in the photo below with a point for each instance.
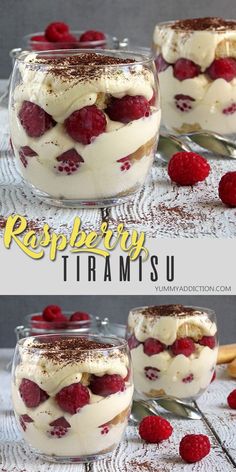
(91, 35)
(154, 429)
(72, 398)
(185, 69)
(128, 108)
(31, 394)
(193, 447)
(34, 119)
(223, 68)
(86, 124)
(227, 189)
(183, 346)
(107, 384)
(152, 346)
(56, 31)
(188, 168)
(231, 399)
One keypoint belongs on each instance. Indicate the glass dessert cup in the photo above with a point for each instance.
(173, 350)
(84, 125)
(72, 395)
(196, 65)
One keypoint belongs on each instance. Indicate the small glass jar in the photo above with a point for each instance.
(196, 64)
(32, 42)
(72, 395)
(34, 324)
(84, 125)
(173, 350)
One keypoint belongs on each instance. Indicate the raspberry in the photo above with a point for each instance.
(24, 419)
(231, 399)
(107, 384)
(152, 346)
(40, 43)
(155, 429)
(80, 316)
(209, 341)
(72, 398)
(104, 428)
(31, 394)
(56, 31)
(185, 69)
(34, 119)
(39, 37)
(25, 152)
(151, 373)
(69, 38)
(89, 36)
(184, 102)
(69, 162)
(133, 342)
(85, 124)
(38, 323)
(128, 108)
(227, 189)
(193, 447)
(161, 64)
(188, 379)
(126, 164)
(152, 101)
(183, 346)
(60, 427)
(188, 168)
(53, 313)
(223, 68)
(230, 110)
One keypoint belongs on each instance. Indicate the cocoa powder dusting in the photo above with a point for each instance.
(204, 24)
(169, 310)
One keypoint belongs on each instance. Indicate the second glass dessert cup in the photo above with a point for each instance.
(84, 125)
(173, 350)
(72, 395)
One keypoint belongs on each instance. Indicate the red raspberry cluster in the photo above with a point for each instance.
(53, 314)
(58, 33)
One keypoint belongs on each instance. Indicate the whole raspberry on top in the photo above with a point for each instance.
(91, 35)
(193, 447)
(183, 346)
(227, 189)
(155, 429)
(128, 108)
(188, 168)
(231, 399)
(85, 124)
(107, 384)
(53, 313)
(56, 31)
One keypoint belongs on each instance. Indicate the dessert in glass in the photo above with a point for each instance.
(72, 395)
(173, 350)
(196, 64)
(84, 125)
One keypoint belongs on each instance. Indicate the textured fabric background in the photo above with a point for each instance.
(132, 18)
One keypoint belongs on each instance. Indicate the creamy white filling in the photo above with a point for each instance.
(165, 328)
(197, 46)
(84, 436)
(211, 98)
(173, 370)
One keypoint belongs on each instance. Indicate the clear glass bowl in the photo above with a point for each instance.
(75, 142)
(32, 45)
(64, 406)
(196, 64)
(173, 350)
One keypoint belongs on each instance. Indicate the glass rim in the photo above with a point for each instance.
(28, 37)
(144, 59)
(208, 311)
(172, 22)
(121, 342)
(28, 318)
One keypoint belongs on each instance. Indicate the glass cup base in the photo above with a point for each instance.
(72, 459)
(82, 203)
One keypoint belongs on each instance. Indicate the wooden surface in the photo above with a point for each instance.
(160, 208)
(133, 455)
